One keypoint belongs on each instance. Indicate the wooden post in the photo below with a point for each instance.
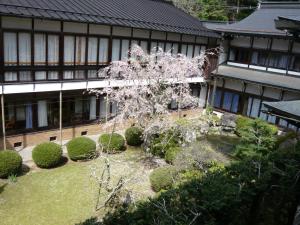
(60, 117)
(3, 122)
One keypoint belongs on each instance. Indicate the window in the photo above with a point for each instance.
(230, 102)
(79, 74)
(92, 51)
(40, 49)
(278, 60)
(103, 50)
(53, 50)
(53, 75)
(69, 48)
(92, 74)
(18, 115)
(295, 63)
(253, 107)
(190, 50)
(40, 75)
(25, 76)
(217, 99)
(68, 75)
(80, 51)
(120, 49)
(24, 49)
(239, 55)
(259, 58)
(92, 115)
(10, 49)
(184, 49)
(10, 76)
(42, 113)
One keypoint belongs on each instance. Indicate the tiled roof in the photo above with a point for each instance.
(290, 108)
(149, 14)
(259, 77)
(262, 21)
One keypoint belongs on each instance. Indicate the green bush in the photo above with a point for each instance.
(117, 142)
(10, 163)
(81, 148)
(171, 154)
(163, 178)
(47, 155)
(134, 136)
(241, 123)
(283, 138)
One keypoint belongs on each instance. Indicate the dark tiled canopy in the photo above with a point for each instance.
(149, 14)
(290, 109)
(262, 21)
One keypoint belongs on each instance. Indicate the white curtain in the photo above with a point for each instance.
(53, 75)
(184, 49)
(103, 50)
(42, 113)
(69, 50)
(190, 51)
(79, 74)
(10, 48)
(153, 46)
(168, 46)
(102, 107)
(20, 113)
(203, 49)
(144, 46)
(92, 51)
(24, 49)
(92, 107)
(203, 92)
(10, 76)
(161, 45)
(113, 109)
(197, 50)
(232, 55)
(115, 50)
(53, 49)
(28, 116)
(68, 75)
(254, 58)
(80, 50)
(175, 49)
(25, 76)
(39, 49)
(134, 42)
(125, 49)
(92, 74)
(40, 75)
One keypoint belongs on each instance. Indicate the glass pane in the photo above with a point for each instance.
(40, 75)
(10, 76)
(217, 101)
(235, 103)
(92, 74)
(10, 48)
(25, 75)
(184, 49)
(115, 50)
(144, 46)
(79, 74)
(53, 49)
(69, 50)
(125, 49)
(227, 101)
(24, 49)
(52, 75)
(80, 50)
(175, 49)
(197, 50)
(255, 108)
(42, 113)
(20, 113)
(103, 50)
(92, 51)
(93, 107)
(39, 49)
(68, 75)
(190, 51)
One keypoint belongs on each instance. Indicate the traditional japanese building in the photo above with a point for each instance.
(50, 52)
(260, 63)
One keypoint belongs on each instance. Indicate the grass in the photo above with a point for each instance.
(66, 195)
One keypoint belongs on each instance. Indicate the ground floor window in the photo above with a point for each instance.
(226, 100)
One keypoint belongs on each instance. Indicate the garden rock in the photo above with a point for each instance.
(228, 123)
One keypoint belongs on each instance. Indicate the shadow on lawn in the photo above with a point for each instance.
(90, 221)
(2, 187)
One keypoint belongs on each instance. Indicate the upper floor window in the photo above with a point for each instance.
(142, 44)
(259, 58)
(17, 49)
(46, 49)
(295, 63)
(239, 55)
(278, 60)
(120, 49)
(97, 50)
(74, 50)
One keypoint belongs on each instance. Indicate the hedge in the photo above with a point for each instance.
(81, 148)
(117, 142)
(10, 163)
(162, 178)
(171, 154)
(134, 136)
(47, 155)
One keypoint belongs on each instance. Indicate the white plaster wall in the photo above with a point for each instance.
(122, 31)
(234, 85)
(202, 40)
(99, 29)
(223, 55)
(75, 27)
(280, 44)
(253, 89)
(261, 43)
(241, 41)
(173, 37)
(296, 47)
(141, 33)
(16, 23)
(188, 38)
(46, 25)
(158, 35)
(272, 93)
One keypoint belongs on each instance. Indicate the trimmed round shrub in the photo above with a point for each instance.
(162, 178)
(81, 148)
(10, 163)
(116, 144)
(171, 154)
(134, 136)
(47, 155)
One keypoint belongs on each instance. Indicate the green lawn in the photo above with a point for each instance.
(66, 195)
